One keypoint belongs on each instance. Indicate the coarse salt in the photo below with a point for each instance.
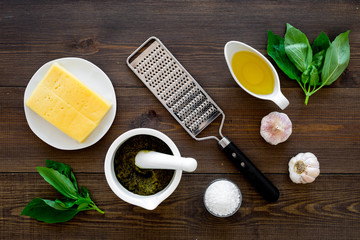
(222, 198)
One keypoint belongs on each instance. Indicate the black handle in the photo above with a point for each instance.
(263, 185)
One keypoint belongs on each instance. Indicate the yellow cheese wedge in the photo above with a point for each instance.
(56, 111)
(77, 94)
(67, 103)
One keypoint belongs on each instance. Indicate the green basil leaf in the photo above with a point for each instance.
(59, 181)
(73, 180)
(63, 169)
(276, 50)
(297, 48)
(65, 202)
(319, 47)
(336, 59)
(322, 42)
(305, 76)
(54, 204)
(83, 206)
(310, 77)
(84, 192)
(82, 200)
(48, 211)
(60, 167)
(314, 76)
(318, 60)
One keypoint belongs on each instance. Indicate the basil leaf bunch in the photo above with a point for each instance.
(312, 66)
(74, 200)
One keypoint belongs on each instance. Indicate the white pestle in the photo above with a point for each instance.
(155, 160)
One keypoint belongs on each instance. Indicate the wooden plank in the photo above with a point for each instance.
(329, 208)
(333, 137)
(106, 34)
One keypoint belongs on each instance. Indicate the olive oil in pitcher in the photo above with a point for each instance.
(253, 72)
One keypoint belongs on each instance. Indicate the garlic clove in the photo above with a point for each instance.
(311, 162)
(296, 178)
(307, 179)
(313, 172)
(276, 128)
(304, 168)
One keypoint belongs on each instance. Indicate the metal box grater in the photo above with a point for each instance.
(173, 86)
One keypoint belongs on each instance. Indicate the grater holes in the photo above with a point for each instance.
(159, 65)
(195, 103)
(170, 82)
(196, 116)
(199, 120)
(186, 99)
(181, 95)
(172, 86)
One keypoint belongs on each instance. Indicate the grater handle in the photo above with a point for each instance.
(251, 172)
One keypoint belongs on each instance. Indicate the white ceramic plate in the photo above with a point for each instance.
(95, 79)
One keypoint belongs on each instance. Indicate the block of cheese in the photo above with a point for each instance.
(67, 103)
(56, 111)
(74, 92)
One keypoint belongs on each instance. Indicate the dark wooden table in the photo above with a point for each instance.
(105, 33)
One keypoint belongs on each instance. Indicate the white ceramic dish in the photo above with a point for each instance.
(219, 203)
(148, 202)
(276, 96)
(95, 79)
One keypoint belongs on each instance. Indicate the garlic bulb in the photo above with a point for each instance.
(304, 168)
(276, 128)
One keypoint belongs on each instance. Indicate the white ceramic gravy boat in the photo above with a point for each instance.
(148, 202)
(276, 96)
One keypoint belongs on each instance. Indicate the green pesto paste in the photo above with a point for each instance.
(137, 180)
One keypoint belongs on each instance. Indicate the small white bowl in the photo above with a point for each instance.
(210, 210)
(276, 96)
(147, 202)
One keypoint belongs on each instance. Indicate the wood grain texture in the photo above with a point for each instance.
(194, 31)
(301, 212)
(106, 33)
(333, 137)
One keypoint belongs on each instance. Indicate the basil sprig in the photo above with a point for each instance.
(62, 178)
(312, 66)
